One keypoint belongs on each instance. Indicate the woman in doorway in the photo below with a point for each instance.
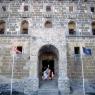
(48, 74)
(45, 74)
(51, 74)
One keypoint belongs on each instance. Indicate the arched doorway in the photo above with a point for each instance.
(48, 58)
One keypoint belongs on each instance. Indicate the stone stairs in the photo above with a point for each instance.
(48, 92)
(48, 87)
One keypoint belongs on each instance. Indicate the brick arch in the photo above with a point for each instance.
(24, 27)
(48, 48)
(2, 26)
(48, 24)
(48, 56)
(72, 27)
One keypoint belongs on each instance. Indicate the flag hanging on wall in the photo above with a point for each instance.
(87, 51)
(17, 50)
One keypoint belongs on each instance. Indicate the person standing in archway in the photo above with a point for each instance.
(51, 74)
(46, 74)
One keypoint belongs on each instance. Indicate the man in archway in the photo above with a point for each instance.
(48, 74)
(51, 74)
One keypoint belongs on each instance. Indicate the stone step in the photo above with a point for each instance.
(48, 92)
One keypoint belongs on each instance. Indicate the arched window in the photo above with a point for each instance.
(48, 8)
(26, 8)
(72, 27)
(2, 27)
(24, 27)
(48, 24)
(93, 27)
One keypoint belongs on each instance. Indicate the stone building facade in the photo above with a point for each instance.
(38, 32)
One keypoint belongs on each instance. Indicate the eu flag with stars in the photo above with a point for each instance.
(87, 51)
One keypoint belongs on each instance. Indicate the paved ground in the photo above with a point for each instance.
(50, 87)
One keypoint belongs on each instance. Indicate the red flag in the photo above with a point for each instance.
(16, 50)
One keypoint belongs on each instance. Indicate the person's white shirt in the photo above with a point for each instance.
(46, 74)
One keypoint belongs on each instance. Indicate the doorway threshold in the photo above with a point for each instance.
(48, 84)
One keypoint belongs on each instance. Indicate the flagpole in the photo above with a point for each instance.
(12, 75)
(83, 74)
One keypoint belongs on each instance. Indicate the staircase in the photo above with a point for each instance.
(48, 87)
(48, 92)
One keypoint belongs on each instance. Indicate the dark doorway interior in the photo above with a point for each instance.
(48, 60)
(46, 64)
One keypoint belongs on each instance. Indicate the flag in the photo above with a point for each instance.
(87, 51)
(15, 50)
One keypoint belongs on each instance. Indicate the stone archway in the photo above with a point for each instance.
(48, 57)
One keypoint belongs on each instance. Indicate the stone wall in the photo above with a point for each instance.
(26, 64)
(75, 64)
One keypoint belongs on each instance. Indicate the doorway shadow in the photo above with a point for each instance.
(48, 59)
(48, 84)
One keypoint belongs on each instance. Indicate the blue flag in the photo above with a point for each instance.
(87, 51)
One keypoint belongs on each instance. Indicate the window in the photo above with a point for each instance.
(92, 9)
(19, 50)
(26, 8)
(70, 8)
(4, 8)
(72, 27)
(24, 27)
(48, 8)
(76, 50)
(71, 31)
(2, 27)
(93, 27)
(48, 24)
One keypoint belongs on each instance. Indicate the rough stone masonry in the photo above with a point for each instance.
(37, 33)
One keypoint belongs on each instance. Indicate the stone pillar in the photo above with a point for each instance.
(32, 82)
(63, 81)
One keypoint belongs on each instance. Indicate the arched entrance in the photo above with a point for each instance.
(48, 58)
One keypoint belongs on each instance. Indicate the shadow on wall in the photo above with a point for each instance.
(5, 90)
(76, 86)
(13, 93)
(90, 93)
